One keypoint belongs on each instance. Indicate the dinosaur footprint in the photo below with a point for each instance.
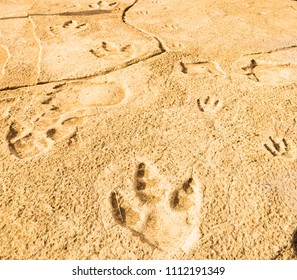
(69, 27)
(209, 105)
(28, 142)
(164, 218)
(56, 115)
(279, 148)
(104, 5)
(113, 52)
(75, 100)
(23, 142)
(271, 74)
(273, 68)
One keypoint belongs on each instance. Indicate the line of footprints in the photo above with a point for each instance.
(162, 217)
(276, 147)
(114, 51)
(56, 116)
(26, 143)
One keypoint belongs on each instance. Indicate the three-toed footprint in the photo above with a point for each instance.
(164, 217)
(68, 27)
(104, 5)
(28, 142)
(113, 51)
(277, 68)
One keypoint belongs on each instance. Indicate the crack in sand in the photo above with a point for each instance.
(272, 51)
(162, 45)
(101, 73)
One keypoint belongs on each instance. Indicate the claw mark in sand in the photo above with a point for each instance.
(143, 13)
(164, 217)
(69, 27)
(294, 242)
(272, 68)
(119, 212)
(110, 51)
(208, 105)
(57, 115)
(249, 69)
(170, 27)
(104, 5)
(279, 148)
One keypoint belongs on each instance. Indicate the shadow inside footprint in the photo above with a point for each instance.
(179, 200)
(163, 219)
(276, 68)
(119, 213)
(294, 242)
(57, 115)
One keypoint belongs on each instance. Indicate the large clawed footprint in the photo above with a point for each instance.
(110, 51)
(69, 27)
(163, 218)
(24, 143)
(58, 115)
(274, 68)
(104, 5)
(280, 148)
(28, 143)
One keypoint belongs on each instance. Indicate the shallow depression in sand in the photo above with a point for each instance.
(4, 56)
(101, 95)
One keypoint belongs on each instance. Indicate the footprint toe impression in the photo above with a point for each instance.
(104, 5)
(68, 28)
(115, 52)
(278, 67)
(164, 219)
(58, 115)
(24, 143)
(294, 242)
(279, 148)
(209, 105)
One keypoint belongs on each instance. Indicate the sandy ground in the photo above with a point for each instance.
(148, 129)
